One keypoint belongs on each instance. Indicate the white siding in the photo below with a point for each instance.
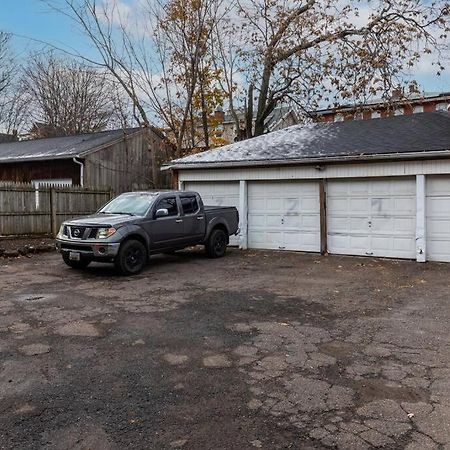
(350, 170)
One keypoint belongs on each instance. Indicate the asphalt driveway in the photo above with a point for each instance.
(255, 350)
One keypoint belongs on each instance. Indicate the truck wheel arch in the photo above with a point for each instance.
(136, 237)
(218, 226)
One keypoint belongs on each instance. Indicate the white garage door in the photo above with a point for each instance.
(284, 215)
(372, 217)
(438, 218)
(217, 194)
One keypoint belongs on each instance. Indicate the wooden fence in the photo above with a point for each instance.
(26, 209)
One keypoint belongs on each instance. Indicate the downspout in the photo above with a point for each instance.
(81, 164)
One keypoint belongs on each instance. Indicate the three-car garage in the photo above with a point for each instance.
(322, 196)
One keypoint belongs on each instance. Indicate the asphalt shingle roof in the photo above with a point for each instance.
(426, 132)
(59, 147)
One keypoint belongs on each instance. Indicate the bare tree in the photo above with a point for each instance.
(308, 50)
(160, 57)
(69, 97)
(270, 51)
(6, 67)
(13, 101)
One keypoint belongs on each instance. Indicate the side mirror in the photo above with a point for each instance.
(162, 213)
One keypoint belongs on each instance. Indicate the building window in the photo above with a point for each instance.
(339, 118)
(375, 115)
(399, 112)
(418, 109)
(443, 107)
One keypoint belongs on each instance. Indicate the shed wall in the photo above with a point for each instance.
(25, 172)
(131, 164)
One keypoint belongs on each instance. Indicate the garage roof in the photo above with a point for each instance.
(59, 147)
(405, 136)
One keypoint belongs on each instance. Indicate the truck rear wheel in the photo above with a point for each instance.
(131, 258)
(217, 244)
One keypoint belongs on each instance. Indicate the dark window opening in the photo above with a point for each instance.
(190, 204)
(169, 203)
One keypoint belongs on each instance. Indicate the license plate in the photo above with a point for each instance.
(74, 256)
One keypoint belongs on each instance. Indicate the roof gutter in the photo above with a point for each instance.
(305, 161)
(81, 164)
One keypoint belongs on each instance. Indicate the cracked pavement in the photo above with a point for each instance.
(255, 350)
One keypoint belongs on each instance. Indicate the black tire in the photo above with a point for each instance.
(82, 264)
(217, 244)
(132, 257)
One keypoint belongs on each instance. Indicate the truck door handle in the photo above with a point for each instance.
(199, 217)
(178, 220)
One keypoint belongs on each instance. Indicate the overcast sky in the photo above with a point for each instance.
(31, 19)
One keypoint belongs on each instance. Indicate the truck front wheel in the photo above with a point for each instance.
(217, 244)
(131, 258)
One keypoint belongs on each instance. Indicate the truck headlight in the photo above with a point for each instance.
(104, 233)
(61, 231)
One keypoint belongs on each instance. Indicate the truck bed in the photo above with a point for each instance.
(229, 213)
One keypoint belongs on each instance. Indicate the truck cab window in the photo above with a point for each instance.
(169, 203)
(190, 204)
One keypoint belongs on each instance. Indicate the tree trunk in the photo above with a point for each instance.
(204, 114)
(262, 100)
(249, 118)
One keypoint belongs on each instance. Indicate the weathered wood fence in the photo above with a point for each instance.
(26, 209)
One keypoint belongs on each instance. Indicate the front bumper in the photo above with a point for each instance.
(89, 248)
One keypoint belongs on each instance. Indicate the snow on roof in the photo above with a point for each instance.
(287, 142)
(401, 134)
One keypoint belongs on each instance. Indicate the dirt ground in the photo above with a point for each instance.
(255, 350)
(15, 243)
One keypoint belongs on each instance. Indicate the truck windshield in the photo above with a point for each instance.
(131, 204)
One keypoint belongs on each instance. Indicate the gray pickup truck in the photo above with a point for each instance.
(135, 225)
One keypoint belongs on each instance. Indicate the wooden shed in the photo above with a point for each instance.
(121, 160)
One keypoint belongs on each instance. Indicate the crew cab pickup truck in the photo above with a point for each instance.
(135, 225)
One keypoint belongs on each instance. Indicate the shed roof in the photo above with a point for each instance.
(60, 147)
(395, 136)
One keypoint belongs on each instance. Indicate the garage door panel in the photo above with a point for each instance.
(438, 228)
(438, 206)
(309, 222)
(404, 205)
(349, 245)
(358, 204)
(438, 218)
(290, 212)
(378, 217)
(404, 225)
(438, 250)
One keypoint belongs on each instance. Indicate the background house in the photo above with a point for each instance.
(397, 106)
(226, 130)
(121, 160)
(370, 188)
